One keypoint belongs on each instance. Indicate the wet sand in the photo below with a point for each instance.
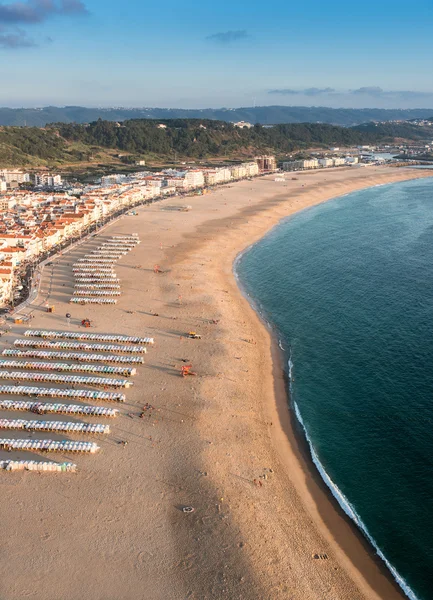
(115, 530)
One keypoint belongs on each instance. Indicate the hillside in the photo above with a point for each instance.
(202, 137)
(168, 140)
(406, 131)
(267, 115)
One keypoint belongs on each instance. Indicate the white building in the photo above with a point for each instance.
(252, 169)
(10, 175)
(311, 163)
(243, 124)
(210, 177)
(194, 178)
(326, 162)
(242, 171)
(300, 165)
(48, 180)
(224, 174)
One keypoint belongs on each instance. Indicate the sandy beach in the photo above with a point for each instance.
(116, 530)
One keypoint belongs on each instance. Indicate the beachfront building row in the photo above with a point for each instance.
(318, 163)
(33, 224)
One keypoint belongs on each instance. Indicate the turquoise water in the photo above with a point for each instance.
(348, 286)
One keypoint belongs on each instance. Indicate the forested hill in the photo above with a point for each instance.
(62, 143)
(406, 131)
(267, 115)
(203, 137)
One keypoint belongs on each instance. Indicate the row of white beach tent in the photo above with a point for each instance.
(109, 358)
(111, 281)
(91, 278)
(53, 426)
(89, 258)
(127, 240)
(48, 445)
(72, 379)
(92, 269)
(95, 260)
(23, 390)
(90, 292)
(96, 286)
(115, 246)
(80, 346)
(39, 466)
(45, 408)
(78, 268)
(83, 300)
(48, 366)
(92, 260)
(123, 245)
(109, 253)
(82, 335)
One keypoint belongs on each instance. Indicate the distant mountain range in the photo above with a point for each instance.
(266, 115)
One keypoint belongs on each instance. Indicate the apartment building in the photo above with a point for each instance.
(14, 175)
(252, 169)
(194, 179)
(266, 163)
(48, 180)
(326, 162)
(300, 165)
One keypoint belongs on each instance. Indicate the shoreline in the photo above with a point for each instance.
(356, 554)
(300, 446)
(223, 442)
(296, 437)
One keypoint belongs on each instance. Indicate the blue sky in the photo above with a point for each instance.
(203, 54)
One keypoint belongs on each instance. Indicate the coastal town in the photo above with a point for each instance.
(216, 278)
(34, 223)
(41, 212)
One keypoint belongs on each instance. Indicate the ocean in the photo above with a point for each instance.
(347, 287)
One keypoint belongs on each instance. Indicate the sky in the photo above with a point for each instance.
(198, 54)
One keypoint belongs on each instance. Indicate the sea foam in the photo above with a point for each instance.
(350, 510)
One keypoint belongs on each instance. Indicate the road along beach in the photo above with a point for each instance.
(220, 441)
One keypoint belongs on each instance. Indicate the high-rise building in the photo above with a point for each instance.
(266, 163)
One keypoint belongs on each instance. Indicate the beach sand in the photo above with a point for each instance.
(115, 530)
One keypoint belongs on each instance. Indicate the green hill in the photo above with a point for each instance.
(102, 141)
